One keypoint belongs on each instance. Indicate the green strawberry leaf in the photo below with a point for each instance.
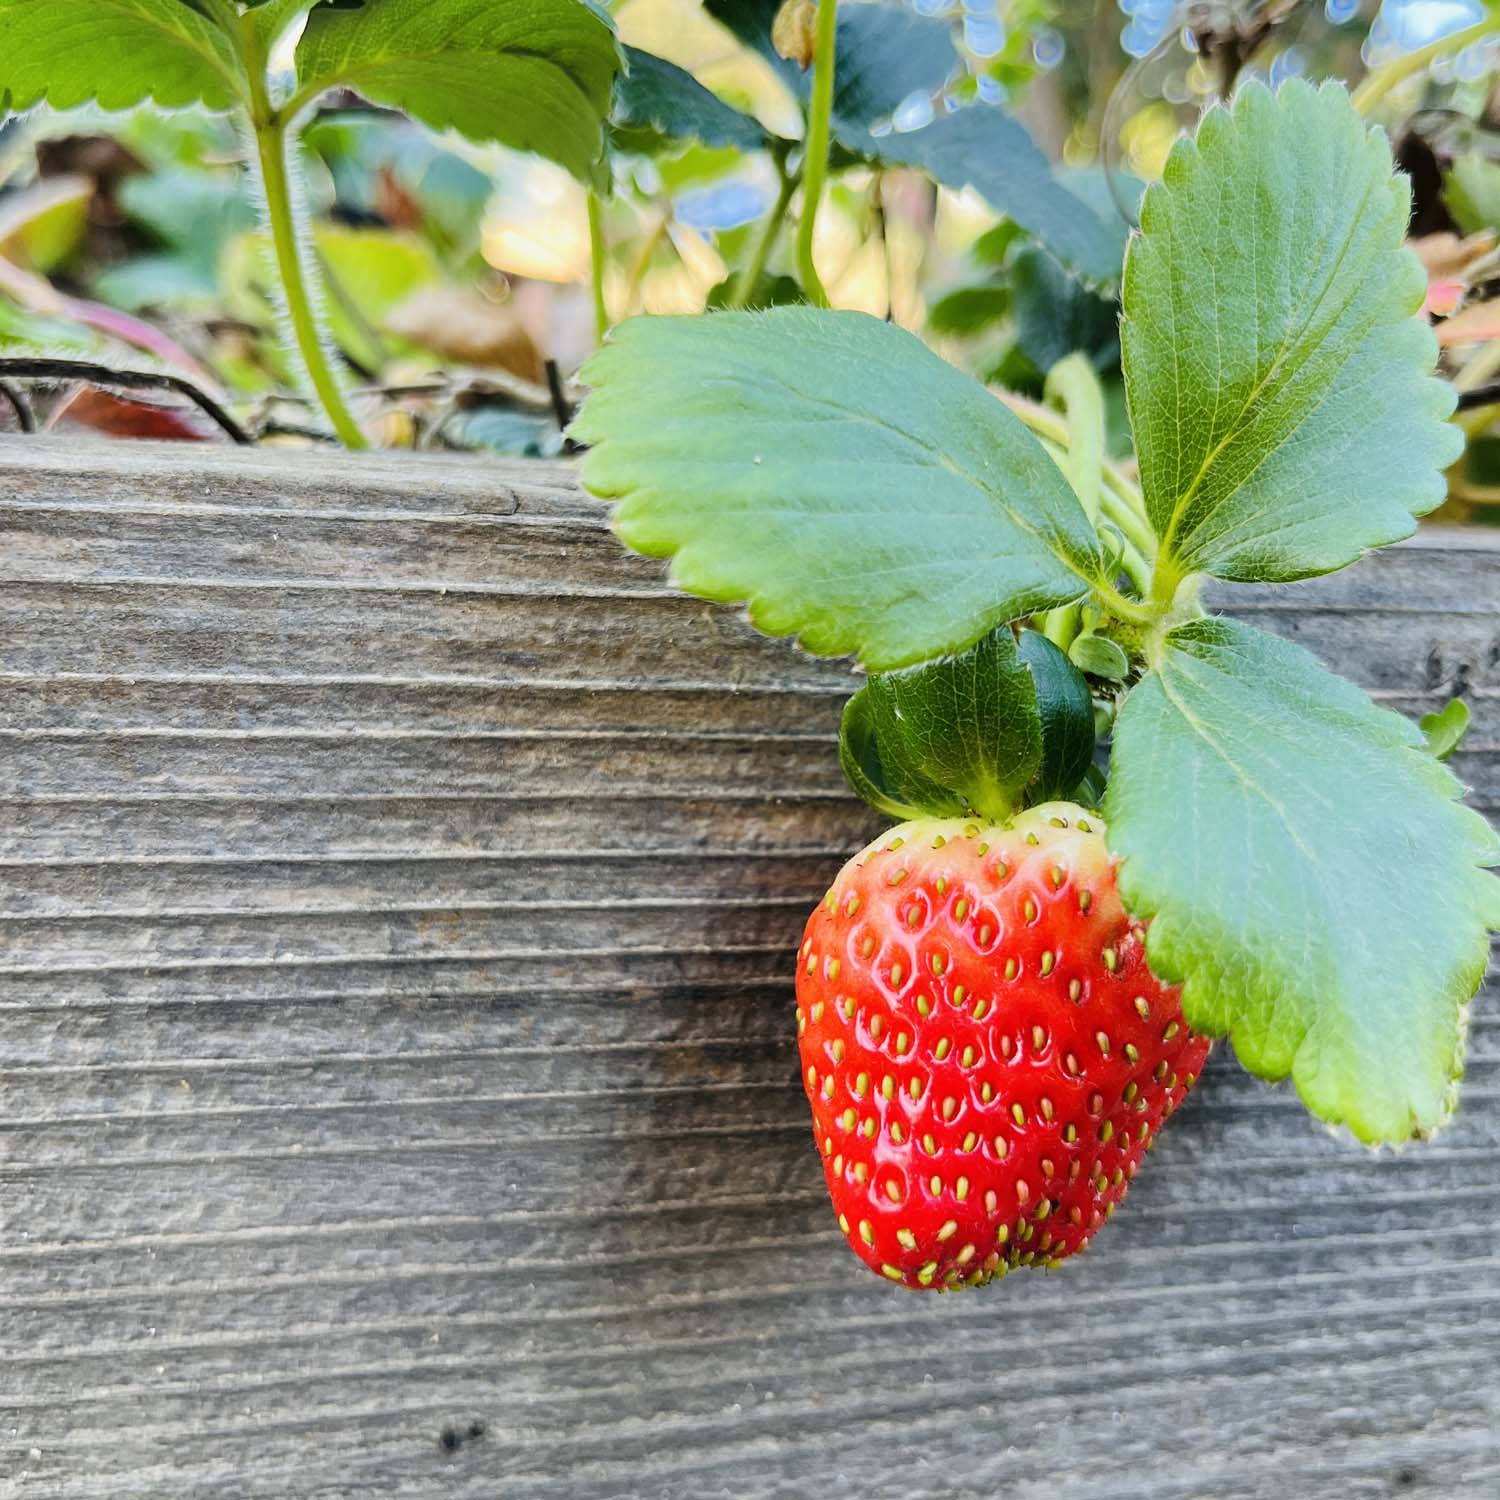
(859, 756)
(948, 737)
(1280, 385)
(1310, 876)
(1065, 709)
(536, 75)
(834, 472)
(656, 103)
(1445, 730)
(116, 53)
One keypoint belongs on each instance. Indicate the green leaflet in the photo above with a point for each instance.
(1279, 385)
(832, 471)
(1445, 730)
(536, 75)
(1309, 874)
(1099, 656)
(117, 53)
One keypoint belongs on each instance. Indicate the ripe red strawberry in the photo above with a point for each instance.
(986, 1053)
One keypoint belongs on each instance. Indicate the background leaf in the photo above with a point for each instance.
(114, 52)
(1471, 190)
(1308, 871)
(983, 148)
(968, 309)
(192, 215)
(1056, 314)
(837, 474)
(947, 737)
(536, 75)
(370, 273)
(770, 290)
(656, 98)
(274, 16)
(1279, 384)
(886, 56)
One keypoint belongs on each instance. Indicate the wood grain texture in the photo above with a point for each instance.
(397, 1089)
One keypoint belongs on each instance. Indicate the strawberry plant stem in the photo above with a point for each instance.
(1392, 74)
(271, 147)
(815, 152)
(1073, 386)
(597, 255)
(1120, 502)
(642, 262)
(271, 127)
(1134, 558)
(744, 283)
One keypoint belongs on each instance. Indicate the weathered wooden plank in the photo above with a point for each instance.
(396, 881)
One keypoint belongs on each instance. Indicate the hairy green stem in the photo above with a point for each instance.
(815, 150)
(1073, 386)
(1392, 74)
(1166, 579)
(1046, 423)
(1134, 558)
(272, 144)
(1120, 502)
(1122, 608)
(597, 254)
(1119, 515)
(750, 274)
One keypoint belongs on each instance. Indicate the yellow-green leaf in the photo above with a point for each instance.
(536, 75)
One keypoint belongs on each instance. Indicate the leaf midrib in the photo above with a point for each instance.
(1240, 775)
(943, 460)
(1184, 501)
